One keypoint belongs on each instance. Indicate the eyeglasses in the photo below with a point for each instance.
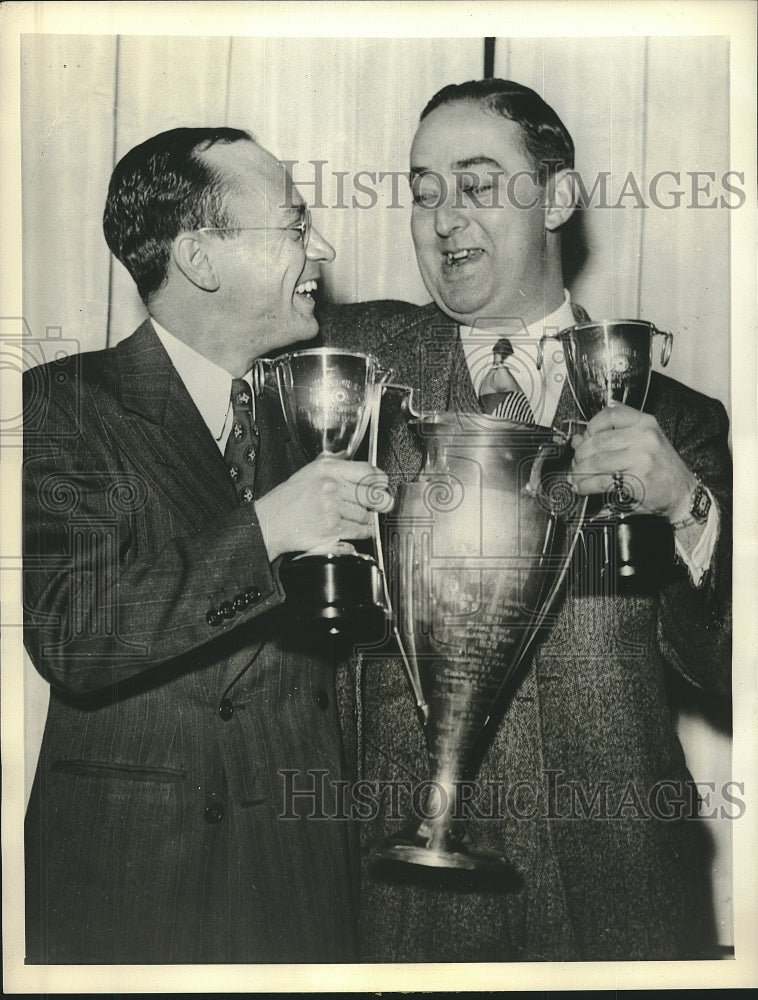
(302, 228)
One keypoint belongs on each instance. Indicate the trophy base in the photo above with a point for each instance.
(335, 593)
(645, 552)
(469, 860)
(434, 845)
(625, 554)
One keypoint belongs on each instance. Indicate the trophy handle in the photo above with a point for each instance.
(261, 369)
(569, 428)
(383, 375)
(382, 384)
(407, 408)
(541, 349)
(668, 342)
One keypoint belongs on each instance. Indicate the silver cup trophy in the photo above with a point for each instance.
(611, 362)
(477, 547)
(330, 398)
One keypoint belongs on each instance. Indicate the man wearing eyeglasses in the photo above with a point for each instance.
(179, 691)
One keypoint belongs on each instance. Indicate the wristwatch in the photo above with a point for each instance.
(700, 506)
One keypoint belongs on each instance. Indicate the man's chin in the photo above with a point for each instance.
(298, 334)
(303, 320)
(463, 309)
(312, 331)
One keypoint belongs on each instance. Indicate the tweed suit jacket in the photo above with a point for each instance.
(619, 877)
(154, 829)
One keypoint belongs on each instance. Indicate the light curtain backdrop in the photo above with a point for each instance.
(639, 105)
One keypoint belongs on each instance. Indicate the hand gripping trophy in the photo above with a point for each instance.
(329, 399)
(611, 362)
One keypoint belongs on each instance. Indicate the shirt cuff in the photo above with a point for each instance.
(699, 560)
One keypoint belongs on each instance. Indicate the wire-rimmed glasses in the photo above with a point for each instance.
(302, 227)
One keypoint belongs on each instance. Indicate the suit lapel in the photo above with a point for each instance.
(187, 464)
(461, 398)
(567, 408)
(167, 433)
(421, 353)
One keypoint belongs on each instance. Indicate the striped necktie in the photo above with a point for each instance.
(500, 394)
(242, 444)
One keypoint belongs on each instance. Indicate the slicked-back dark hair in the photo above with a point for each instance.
(158, 189)
(546, 139)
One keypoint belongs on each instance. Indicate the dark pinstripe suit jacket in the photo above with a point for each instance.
(153, 831)
(590, 716)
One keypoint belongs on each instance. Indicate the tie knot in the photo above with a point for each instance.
(498, 379)
(502, 350)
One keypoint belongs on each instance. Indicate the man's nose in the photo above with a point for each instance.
(318, 248)
(448, 218)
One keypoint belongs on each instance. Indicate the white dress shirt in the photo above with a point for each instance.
(209, 385)
(543, 388)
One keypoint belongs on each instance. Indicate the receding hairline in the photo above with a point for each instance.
(489, 112)
(233, 176)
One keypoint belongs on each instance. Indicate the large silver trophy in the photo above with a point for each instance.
(330, 398)
(611, 362)
(477, 548)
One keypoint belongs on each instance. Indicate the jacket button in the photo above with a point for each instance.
(226, 709)
(214, 813)
(213, 617)
(240, 602)
(226, 610)
(322, 700)
(253, 595)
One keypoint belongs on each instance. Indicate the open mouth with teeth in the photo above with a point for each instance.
(307, 289)
(455, 258)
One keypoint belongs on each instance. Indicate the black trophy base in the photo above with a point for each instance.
(625, 554)
(335, 594)
(645, 552)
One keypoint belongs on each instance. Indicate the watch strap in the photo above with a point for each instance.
(700, 506)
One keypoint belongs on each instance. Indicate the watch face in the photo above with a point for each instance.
(701, 503)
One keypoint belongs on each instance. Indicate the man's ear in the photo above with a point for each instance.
(561, 199)
(191, 256)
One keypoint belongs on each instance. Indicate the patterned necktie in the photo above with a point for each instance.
(242, 443)
(500, 394)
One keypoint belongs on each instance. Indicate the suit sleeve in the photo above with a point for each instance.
(695, 623)
(109, 592)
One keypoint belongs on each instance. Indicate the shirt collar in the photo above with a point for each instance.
(525, 340)
(528, 346)
(209, 385)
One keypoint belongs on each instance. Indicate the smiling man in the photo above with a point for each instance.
(583, 784)
(508, 252)
(159, 494)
